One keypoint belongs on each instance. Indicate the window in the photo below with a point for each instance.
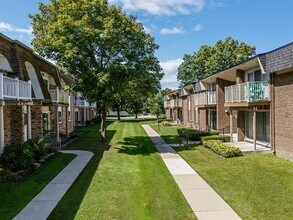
(213, 87)
(60, 114)
(46, 81)
(213, 120)
(257, 76)
(46, 121)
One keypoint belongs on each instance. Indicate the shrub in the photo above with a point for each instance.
(166, 123)
(162, 116)
(8, 176)
(223, 149)
(194, 135)
(223, 138)
(17, 157)
(37, 146)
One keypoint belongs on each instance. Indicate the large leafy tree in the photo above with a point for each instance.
(155, 104)
(98, 44)
(210, 59)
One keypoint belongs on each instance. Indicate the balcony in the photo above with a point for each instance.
(81, 103)
(11, 88)
(247, 92)
(59, 96)
(167, 104)
(175, 103)
(205, 98)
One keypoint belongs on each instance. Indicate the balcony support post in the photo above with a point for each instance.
(254, 128)
(67, 119)
(231, 125)
(1, 87)
(84, 115)
(29, 122)
(2, 103)
(17, 88)
(57, 126)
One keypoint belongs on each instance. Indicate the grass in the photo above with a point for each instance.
(256, 186)
(127, 180)
(14, 196)
(168, 133)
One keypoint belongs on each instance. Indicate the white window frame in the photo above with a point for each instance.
(49, 119)
(60, 117)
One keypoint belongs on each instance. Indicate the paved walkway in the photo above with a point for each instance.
(204, 201)
(43, 204)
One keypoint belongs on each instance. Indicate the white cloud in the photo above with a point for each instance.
(197, 28)
(6, 27)
(22, 34)
(173, 30)
(170, 68)
(161, 7)
(147, 30)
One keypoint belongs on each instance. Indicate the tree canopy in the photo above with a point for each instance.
(102, 47)
(211, 59)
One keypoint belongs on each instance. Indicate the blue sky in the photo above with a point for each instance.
(182, 26)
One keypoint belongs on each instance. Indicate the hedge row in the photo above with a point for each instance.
(223, 149)
(23, 155)
(223, 138)
(194, 135)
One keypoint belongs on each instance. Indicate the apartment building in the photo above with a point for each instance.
(173, 106)
(34, 98)
(252, 101)
(84, 111)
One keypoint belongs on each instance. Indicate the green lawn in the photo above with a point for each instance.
(127, 180)
(255, 186)
(14, 196)
(168, 133)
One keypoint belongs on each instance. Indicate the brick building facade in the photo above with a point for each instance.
(252, 100)
(33, 96)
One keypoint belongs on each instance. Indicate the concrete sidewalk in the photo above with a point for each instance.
(204, 201)
(43, 204)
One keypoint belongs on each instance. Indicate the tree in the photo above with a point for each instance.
(211, 59)
(155, 104)
(98, 44)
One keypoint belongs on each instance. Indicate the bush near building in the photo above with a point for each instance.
(23, 155)
(224, 150)
(194, 135)
(223, 138)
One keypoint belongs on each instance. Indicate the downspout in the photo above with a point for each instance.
(273, 131)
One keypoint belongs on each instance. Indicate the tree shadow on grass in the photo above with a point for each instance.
(137, 145)
(69, 205)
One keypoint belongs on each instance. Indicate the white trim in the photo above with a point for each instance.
(60, 109)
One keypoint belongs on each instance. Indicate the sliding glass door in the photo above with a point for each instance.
(262, 126)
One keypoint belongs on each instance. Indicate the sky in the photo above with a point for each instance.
(182, 26)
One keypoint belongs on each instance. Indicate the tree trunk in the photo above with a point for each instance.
(136, 115)
(118, 113)
(103, 126)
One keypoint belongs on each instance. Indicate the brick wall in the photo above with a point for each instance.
(13, 124)
(184, 110)
(223, 119)
(36, 119)
(283, 115)
(203, 120)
